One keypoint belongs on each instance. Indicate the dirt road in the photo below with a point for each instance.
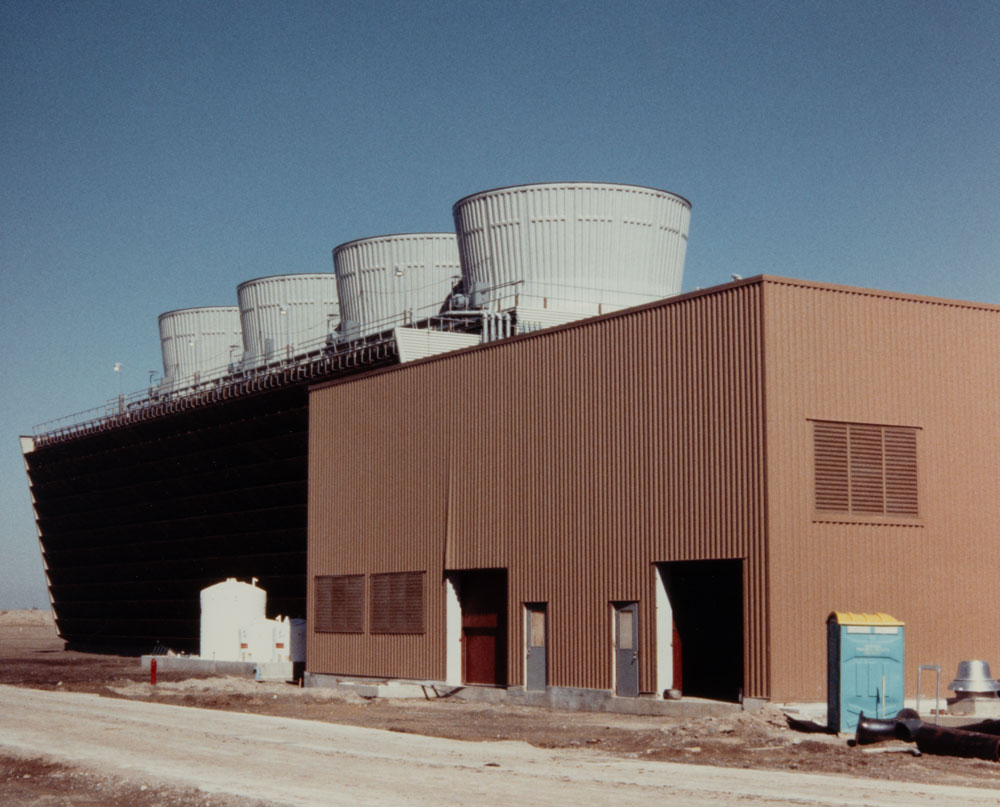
(302, 762)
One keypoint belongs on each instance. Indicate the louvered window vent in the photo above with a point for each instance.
(865, 469)
(397, 602)
(340, 603)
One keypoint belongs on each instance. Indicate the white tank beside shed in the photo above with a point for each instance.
(226, 608)
(235, 627)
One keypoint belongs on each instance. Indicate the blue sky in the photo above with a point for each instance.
(154, 155)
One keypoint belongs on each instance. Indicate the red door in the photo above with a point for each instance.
(483, 595)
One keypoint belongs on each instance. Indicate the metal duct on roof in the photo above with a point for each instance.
(580, 247)
(197, 343)
(286, 315)
(390, 280)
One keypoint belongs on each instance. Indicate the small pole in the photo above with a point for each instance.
(121, 396)
(152, 672)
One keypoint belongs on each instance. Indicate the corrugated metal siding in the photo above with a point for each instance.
(575, 459)
(856, 356)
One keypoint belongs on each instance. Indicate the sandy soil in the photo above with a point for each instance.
(32, 656)
(307, 762)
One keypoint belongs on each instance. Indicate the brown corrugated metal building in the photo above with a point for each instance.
(672, 496)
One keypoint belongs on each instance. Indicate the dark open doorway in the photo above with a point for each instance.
(482, 595)
(706, 598)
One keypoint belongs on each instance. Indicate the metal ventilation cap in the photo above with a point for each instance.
(974, 676)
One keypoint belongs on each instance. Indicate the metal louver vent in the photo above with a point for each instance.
(865, 469)
(340, 604)
(867, 484)
(397, 602)
(832, 491)
(901, 471)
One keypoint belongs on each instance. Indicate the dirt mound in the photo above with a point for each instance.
(243, 688)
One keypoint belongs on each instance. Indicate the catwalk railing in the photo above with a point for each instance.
(318, 359)
(321, 358)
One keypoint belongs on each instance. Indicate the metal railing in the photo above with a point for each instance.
(317, 358)
(128, 410)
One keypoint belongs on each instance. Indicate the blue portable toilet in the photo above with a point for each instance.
(864, 668)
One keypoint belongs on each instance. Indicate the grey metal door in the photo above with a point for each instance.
(626, 649)
(536, 641)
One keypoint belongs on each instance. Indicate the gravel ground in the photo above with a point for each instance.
(32, 656)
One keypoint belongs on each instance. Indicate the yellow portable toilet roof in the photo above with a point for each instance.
(852, 618)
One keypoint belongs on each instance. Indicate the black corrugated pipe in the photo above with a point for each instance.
(957, 743)
(984, 727)
(871, 730)
(906, 730)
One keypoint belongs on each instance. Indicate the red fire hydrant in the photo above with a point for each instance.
(152, 672)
